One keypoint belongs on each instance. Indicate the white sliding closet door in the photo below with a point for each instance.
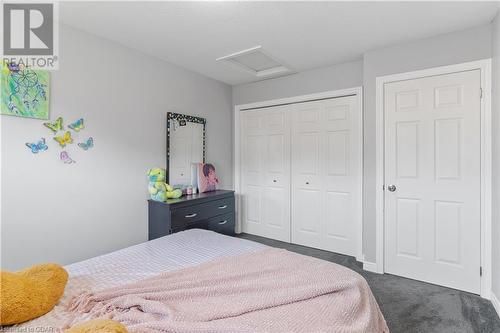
(265, 171)
(326, 182)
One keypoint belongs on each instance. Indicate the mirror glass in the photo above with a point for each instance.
(185, 145)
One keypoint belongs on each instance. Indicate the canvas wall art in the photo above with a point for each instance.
(24, 92)
(207, 178)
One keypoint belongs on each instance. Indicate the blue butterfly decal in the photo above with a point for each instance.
(77, 125)
(37, 147)
(87, 144)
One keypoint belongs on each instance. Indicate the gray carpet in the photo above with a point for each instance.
(411, 306)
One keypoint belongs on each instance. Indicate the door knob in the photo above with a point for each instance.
(391, 188)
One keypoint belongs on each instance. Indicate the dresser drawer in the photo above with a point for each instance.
(223, 224)
(186, 215)
(203, 224)
(221, 206)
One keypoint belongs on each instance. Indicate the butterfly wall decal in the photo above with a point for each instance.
(77, 125)
(64, 139)
(86, 145)
(13, 67)
(37, 147)
(66, 159)
(55, 126)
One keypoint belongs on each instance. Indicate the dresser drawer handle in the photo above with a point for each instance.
(223, 222)
(222, 207)
(191, 215)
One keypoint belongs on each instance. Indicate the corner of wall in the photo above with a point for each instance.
(495, 46)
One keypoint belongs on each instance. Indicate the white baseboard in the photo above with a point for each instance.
(370, 266)
(496, 303)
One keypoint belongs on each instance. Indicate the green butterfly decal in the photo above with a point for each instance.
(56, 126)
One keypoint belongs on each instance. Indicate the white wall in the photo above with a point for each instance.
(496, 154)
(457, 47)
(346, 75)
(65, 213)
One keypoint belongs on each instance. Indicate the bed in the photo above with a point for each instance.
(237, 270)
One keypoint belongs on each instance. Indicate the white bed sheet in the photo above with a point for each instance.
(176, 251)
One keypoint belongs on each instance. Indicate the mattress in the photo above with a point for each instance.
(180, 250)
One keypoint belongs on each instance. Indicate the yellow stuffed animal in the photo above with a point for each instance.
(98, 326)
(30, 293)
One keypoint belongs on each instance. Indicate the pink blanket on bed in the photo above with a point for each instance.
(268, 291)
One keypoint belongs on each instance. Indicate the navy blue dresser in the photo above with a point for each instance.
(211, 210)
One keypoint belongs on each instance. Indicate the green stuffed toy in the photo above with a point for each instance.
(158, 189)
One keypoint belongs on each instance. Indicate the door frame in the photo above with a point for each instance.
(486, 159)
(355, 91)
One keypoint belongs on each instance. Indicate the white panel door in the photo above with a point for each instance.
(307, 171)
(432, 157)
(265, 153)
(326, 198)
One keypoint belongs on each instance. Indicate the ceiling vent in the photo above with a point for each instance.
(258, 62)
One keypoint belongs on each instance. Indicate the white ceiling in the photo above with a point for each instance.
(304, 35)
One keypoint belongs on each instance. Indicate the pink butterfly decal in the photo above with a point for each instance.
(65, 158)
